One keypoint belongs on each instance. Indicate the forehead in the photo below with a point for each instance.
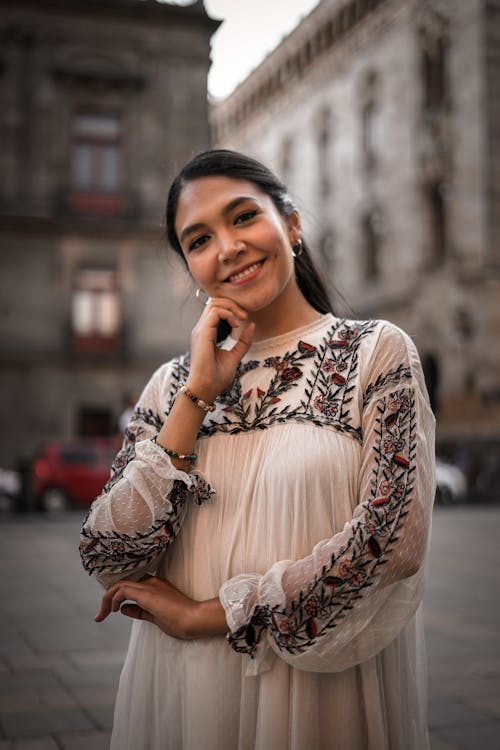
(201, 198)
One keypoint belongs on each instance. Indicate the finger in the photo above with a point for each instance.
(244, 342)
(105, 608)
(107, 602)
(228, 304)
(138, 613)
(215, 315)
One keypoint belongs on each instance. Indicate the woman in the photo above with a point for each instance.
(306, 442)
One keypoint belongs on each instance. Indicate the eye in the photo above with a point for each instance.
(246, 216)
(198, 242)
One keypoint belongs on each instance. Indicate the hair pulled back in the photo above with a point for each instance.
(232, 164)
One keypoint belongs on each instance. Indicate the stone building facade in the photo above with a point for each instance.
(101, 102)
(383, 117)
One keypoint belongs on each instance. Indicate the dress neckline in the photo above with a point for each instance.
(275, 342)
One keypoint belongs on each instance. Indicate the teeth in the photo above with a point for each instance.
(244, 273)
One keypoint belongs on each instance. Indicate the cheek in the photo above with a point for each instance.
(198, 269)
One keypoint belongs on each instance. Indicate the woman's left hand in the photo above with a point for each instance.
(157, 601)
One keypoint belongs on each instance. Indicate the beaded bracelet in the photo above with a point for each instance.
(197, 401)
(191, 457)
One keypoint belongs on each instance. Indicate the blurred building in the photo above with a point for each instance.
(383, 117)
(100, 102)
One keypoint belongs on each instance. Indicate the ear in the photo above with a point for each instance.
(294, 227)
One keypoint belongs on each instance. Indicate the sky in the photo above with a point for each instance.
(251, 29)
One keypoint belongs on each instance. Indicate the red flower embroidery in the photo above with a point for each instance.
(290, 373)
(305, 348)
(338, 379)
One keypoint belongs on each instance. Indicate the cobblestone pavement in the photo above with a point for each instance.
(59, 670)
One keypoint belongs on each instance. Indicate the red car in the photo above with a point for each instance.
(72, 472)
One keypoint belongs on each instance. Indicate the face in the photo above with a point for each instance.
(236, 243)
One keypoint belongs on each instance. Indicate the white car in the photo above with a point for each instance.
(10, 487)
(451, 484)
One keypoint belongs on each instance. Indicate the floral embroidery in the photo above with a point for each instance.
(392, 377)
(116, 552)
(328, 390)
(355, 566)
(136, 428)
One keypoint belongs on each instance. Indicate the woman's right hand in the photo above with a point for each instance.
(213, 369)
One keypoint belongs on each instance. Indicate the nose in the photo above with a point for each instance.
(230, 247)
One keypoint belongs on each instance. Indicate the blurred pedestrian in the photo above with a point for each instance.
(281, 609)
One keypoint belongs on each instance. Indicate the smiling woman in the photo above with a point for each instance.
(280, 609)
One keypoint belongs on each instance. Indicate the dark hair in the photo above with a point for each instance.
(225, 163)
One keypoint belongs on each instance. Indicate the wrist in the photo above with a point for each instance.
(199, 392)
(206, 618)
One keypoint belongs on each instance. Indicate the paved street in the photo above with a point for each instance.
(59, 670)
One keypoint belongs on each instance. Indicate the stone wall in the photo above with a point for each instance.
(136, 71)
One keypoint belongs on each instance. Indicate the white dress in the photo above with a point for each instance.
(309, 514)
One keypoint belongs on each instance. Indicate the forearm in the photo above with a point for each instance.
(180, 430)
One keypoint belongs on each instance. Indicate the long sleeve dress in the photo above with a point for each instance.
(309, 514)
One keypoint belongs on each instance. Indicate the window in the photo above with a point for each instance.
(96, 163)
(433, 73)
(368, 116)
(96, 315)
(324, 148)
(372, 229)
(433, 44)
(436, 207)
(370, 120)
(286, 158)
(327, 248)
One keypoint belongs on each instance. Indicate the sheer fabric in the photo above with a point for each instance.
(313, 530)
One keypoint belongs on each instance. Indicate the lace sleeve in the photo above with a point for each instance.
(140, 511)
(356, 591)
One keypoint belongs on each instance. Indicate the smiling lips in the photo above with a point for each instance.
(246, 273)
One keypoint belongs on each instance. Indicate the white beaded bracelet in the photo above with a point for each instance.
(197, 401)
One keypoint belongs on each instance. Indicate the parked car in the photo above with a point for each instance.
(71, 472)
(10, 487)
(451, 484)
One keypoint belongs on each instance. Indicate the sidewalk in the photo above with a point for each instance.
(59, 670)
(462, 615)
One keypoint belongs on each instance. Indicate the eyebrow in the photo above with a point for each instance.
(226, 210)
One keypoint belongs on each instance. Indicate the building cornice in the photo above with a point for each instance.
(312, 41)
(139, 10)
